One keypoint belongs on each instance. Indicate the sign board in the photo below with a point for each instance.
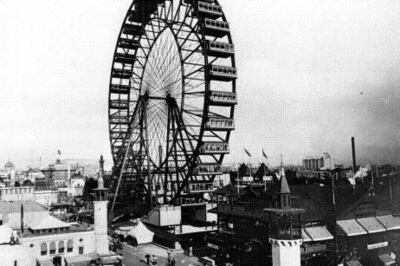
(267, 178)
(377, 245)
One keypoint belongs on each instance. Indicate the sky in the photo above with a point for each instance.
(312, 74)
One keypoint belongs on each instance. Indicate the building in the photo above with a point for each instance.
(343, 223)
(59, 174)
(313, 163)
(54, 242)
(75, 186)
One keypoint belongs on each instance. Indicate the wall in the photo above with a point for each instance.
(32, 243)
(17, 193)
(16, 253)
(286, 253)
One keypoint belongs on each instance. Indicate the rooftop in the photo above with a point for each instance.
(15, 206)
(48, 222)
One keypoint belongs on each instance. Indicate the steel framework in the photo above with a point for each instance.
(171, 101)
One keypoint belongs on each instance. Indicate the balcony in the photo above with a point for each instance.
(220, 124)
(214, 148)
(133, 29)
(119, 104)
(220, 49)
(208, 169)
(122, 73)
(215, 28)
(124, 58)
(128, 44)
(120, 89)
(222, 98)
(209, 10)
(222, 73)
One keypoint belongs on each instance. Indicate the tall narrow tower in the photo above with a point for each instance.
(100, 214)
(285, 228)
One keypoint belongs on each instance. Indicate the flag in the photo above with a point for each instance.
(264, 155)
(247, 152)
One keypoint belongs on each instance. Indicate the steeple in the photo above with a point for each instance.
(100, 192)
(100, 213)
(284, 184)
(284, 201)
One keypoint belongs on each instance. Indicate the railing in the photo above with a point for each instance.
(215, 147)
(207, 169)
(218, 70)
(221, 47)
(220, 123)
(209, 8)
(216, 24)
(222, 97)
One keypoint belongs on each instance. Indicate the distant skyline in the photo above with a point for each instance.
(311, 75)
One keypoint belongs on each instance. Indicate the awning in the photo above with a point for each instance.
(387, 259)
(109, 260)
(305, 236)
(45, 262)
(318, 233)
(351, 227)
(353, 263)
(390, 222)
(80, 260)
(140, 233)
(371, 224)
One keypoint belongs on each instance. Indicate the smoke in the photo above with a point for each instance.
(363, 172)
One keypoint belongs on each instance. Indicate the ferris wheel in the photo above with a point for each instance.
(171, 100)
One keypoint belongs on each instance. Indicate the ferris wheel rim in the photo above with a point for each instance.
(206, 105)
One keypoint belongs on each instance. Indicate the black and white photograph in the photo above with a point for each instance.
(199, 133)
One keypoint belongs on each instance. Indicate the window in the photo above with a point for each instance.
(52, 248)
(80, 250)
(43, 249)
(70, 246)
(61, 247)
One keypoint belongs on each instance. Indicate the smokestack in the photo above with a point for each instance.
(22, 218)
(353, 151)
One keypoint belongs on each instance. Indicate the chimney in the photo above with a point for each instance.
(353, 151)
(22, 218)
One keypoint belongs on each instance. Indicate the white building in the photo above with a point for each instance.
(54, 242)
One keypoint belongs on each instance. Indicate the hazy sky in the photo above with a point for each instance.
(311, 75)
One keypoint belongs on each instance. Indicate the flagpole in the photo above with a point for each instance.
(237, 180)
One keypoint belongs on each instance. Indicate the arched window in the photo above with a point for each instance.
(70, 246)
(52, 248)
(61, 247)
(43, 249)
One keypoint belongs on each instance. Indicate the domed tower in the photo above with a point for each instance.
(100, 214)
(285, 228)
